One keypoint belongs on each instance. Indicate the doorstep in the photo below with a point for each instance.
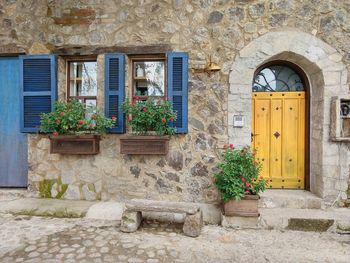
(281, 198)
(315, 220)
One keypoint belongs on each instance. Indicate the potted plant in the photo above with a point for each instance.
(75, 127)
(150, 121)
(238, 181)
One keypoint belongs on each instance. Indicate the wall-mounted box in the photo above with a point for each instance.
(238, 121)
(340, 118)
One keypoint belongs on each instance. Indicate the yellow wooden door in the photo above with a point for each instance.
(278, 134)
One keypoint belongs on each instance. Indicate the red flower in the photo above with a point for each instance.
(164, 119)
(80, 121)
(247, 184)
(55, 133)
(246, 191)
(132, 103)
(136, 98)
(231, 146)
(144, 109)
(61, 113)
(171, 118)
(91, 125)
(243, 179)
(58, 121)
(94, 116)
(114, 118)
(225, 146)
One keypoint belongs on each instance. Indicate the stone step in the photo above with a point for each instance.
(317, 220)
(7, 194)
(281, 198)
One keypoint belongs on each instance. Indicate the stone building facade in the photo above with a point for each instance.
(239, 36)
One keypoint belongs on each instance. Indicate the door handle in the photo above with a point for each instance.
(252, 135)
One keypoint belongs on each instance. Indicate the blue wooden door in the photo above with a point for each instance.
(13, 143)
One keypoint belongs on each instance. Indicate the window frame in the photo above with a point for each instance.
(284, 63)
(148, 57)
(68, 60)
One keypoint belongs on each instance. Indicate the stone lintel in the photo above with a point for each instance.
(95, 50)
(11, 49)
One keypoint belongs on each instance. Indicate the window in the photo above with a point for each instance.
(148, 77)
(82, 81)
(277, 78)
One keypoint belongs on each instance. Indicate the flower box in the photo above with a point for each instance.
(247, 206)
(144, 145)
(75, 144)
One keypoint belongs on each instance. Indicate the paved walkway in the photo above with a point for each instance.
(40, 239)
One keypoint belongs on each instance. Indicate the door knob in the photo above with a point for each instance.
(252, 135)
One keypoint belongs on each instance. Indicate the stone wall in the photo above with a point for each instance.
(203, 28)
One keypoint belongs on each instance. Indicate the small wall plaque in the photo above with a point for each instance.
(238, 121)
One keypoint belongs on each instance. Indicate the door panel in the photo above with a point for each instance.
(275, 137)
(279, 137)
(13, 144)
(261, 134)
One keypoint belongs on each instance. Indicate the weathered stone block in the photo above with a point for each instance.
(312, 225)
(239, 222)
(193, 224)
(215, 17)
(130, 221)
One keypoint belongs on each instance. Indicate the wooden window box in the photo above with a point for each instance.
(75, 144)
(144, 145)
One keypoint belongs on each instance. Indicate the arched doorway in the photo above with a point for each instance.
(279, 123)
(327, 76)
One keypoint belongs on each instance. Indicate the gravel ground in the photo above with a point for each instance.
(35, 239)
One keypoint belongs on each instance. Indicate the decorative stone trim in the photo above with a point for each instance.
(327, 76)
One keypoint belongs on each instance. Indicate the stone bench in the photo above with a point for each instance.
(132, 215)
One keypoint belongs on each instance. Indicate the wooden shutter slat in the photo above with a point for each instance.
(115, 89)
(38, 89)
(178, 88)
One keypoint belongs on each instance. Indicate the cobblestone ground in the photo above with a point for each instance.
(34, 239)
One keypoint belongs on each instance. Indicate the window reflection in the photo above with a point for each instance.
(83, 80)
(149, 78)
(277, 78)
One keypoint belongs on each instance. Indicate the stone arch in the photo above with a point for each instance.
(327, 77)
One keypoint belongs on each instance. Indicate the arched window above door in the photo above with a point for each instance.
(277, 78)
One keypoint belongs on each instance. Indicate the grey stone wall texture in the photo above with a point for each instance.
(238, 35)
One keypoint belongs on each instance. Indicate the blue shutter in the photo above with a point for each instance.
(38, 89)
(178, 88)
(115, 89)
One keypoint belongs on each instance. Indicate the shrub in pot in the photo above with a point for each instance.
(238, 181)
(75, 127)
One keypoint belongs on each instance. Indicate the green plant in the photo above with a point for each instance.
(46, 185)
(74, 117)
(238, 174)
(151, 115)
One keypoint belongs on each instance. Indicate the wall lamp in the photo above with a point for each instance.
(209, 68)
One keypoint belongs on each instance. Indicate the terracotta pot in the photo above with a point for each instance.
(247, 206)
(144, 145)
(75, 144)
